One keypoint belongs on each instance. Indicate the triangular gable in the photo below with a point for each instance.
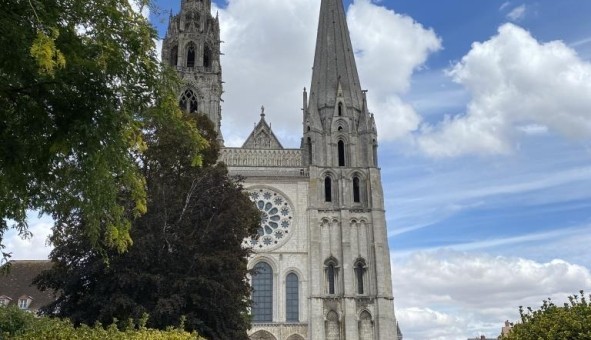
(262, 137)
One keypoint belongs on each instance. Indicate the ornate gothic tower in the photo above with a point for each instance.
(321, 260)
(350, 276)
(192, 45)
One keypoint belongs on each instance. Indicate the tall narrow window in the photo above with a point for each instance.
(356, 193)
(330, 275)
(206, 56)
(191, 55)
(262, 293)
(340, 109)
(359, 273)
(341, 153)
(174, 55)
(292, 298)
(327, 189)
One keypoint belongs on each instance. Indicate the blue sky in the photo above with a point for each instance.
(484, 118)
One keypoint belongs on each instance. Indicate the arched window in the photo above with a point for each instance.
(262, 293)
(359, 275)
(328, 189)
(340, 109)
(191, 55)
(356, 191)
(188, 102)
(331, 271)
(174, 55)
(207, 56)
(341, 153)
(292, 298)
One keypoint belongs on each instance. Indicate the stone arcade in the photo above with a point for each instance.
(322, 258)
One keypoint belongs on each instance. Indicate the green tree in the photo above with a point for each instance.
(186, 260)
(79, 80)
(570, 321)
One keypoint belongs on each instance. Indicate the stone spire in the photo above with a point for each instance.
(334, 63)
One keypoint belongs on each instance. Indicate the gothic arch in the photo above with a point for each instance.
(295, 337)
(365, 326)
(360, 269)
(333, 327)
(189, 101)
(190, 54)
(358, 187)
(331, 273)
(207, 56)
(342, 151)
(174, 55)
(329, 187)
(262, 335)
(342, 126)
(263, 292)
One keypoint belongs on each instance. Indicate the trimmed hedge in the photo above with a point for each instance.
(20, 325)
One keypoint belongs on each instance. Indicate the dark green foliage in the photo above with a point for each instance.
(78, 82)
(14, 321)
(186, 259)
(551, 322)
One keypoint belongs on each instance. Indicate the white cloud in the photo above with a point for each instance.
(267, 62)
(514, 80)
(139, 8)
(475, 293)
(390, 47)
(33, 248)
(158, 44)
(517, 13)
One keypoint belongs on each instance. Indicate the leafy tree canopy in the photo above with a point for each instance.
(186, 260)
(79, 81)
(570, 321)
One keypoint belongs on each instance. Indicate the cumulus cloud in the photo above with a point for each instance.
(514, 80)
(475, 293)
(390, 47)
(268, 62)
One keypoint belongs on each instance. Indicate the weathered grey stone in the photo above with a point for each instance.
(332, 184)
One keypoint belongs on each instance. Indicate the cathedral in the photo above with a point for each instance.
(321, 259)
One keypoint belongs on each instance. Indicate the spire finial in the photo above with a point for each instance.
(262, 112)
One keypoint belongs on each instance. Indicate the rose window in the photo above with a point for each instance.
(276, 219)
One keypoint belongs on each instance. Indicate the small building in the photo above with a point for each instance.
(16, 285)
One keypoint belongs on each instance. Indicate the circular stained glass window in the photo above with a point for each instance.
(276, 219)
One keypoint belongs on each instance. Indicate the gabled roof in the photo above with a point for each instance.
(17, 283)
(262, 137)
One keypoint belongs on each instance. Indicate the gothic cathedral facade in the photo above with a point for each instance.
(321, 259)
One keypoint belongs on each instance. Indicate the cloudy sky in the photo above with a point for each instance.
(484, 117)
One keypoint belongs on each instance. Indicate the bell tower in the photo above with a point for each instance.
(192, 47)
(350, 276)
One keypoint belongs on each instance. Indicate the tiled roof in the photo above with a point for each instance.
(18, 281)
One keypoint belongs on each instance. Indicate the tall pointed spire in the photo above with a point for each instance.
(334, 62)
